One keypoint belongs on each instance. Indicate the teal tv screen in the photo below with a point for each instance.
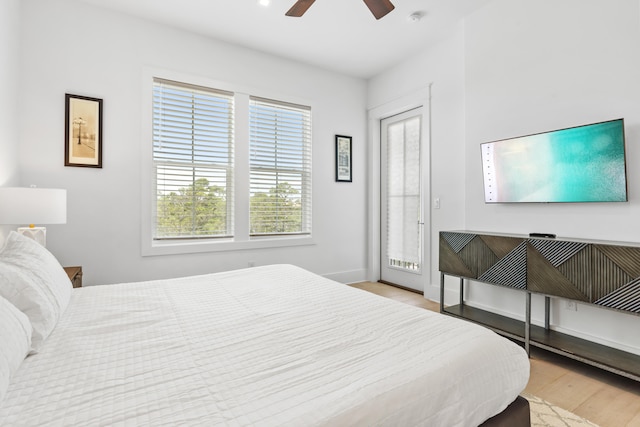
(578, 164)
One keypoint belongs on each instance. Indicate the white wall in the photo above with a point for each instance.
(529, 67)
(9, 75)
(72, 47)
(536, 66)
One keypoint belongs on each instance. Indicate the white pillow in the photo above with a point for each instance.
(34, 281)
(15, 336)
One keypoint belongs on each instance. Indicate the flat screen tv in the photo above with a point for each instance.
(578, 164)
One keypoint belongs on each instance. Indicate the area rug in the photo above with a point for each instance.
(544, 414)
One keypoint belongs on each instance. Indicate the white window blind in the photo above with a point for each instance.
(403, 193)
(280, 163)
(193, 161)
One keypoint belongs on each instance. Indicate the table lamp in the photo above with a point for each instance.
(31, 205)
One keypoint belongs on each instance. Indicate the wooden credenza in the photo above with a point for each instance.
(598, 273)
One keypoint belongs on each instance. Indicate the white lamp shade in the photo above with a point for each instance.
(23, 205)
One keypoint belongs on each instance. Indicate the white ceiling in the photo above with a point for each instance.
(339, 35)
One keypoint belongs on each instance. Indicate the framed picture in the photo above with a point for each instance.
(343, 158)
(83, 131)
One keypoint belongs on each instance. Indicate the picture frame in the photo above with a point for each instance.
(343, 159)
(83, 131)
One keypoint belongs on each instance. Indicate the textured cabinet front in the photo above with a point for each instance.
(602, 274)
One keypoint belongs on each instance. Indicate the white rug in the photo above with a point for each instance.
(544, 414)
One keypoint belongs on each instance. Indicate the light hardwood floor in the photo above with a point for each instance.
(606, 399)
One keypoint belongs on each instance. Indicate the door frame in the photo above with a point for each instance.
(418, 98)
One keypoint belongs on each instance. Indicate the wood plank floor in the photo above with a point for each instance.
(606, 399)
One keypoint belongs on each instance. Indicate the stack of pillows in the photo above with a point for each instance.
(34, 293)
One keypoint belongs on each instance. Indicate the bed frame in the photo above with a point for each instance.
(517, 414)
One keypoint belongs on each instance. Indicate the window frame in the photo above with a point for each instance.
(242, 240)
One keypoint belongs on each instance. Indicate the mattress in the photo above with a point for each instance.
(266, 346)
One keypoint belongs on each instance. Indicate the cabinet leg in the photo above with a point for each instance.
(461, 291)
(441, 292)
(547, 304)
(527, 323)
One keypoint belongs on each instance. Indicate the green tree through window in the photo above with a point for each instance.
(196, 210)
(200, 209)
(276, 212)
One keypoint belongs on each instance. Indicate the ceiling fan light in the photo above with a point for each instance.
(264, 3)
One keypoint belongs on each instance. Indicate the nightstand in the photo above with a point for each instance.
(75, 275)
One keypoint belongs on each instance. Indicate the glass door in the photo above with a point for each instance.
(401, 213)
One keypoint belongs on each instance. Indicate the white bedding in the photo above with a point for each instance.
(267, 346)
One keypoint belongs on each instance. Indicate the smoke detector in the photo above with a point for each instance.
(415, 17)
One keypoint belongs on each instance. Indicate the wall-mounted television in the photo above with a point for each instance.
(579, 164)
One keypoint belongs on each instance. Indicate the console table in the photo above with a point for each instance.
(599, 273)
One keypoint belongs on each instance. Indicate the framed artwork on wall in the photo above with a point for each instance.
(83, 131)
(343, 158)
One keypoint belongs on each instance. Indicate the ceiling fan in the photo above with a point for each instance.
(379, 8)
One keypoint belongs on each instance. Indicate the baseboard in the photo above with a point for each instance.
(348, 277)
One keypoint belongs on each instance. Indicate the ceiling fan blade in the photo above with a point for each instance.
(379, 8)
(298, 9)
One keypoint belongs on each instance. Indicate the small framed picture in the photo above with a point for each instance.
(83, 131)
(343, 158)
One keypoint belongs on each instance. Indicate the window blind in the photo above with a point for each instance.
(280, 167)
(193, 161)
(403, 193)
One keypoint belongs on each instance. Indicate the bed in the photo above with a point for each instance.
(265, 346)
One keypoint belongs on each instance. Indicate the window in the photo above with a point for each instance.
(280, 163)
(193, 161)
(228, 170)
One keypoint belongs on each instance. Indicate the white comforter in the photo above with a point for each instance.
(267, 346)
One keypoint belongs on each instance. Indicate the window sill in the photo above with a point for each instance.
(175, 247)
